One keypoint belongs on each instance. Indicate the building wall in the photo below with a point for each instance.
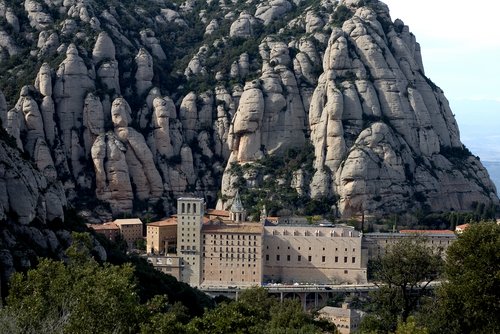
(130, 232)
(232, 258)
(158, 236)
(190, 212)
(347, 320)
(167, 264)
(110, 234)
(376, 243)
(322, 255)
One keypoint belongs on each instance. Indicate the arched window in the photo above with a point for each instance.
(194, 207)
(189, 207)
(183, 208)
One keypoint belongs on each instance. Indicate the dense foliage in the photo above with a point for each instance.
(404, 273)
(83, 296)
(466, 302)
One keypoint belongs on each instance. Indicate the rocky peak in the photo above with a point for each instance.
(280, 100)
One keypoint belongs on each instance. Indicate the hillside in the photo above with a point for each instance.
(130, 104)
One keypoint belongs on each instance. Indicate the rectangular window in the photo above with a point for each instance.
(277, 257)
(288, 257)
(345, 259)
(323, 258)
(299, 258)
(267, 257)
(353, 259)
(336, 259)
(309, 258)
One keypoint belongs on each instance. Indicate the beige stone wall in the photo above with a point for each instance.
(312, 255)
(167, 264)
(190, 213)
(157, 235)
(376, 243)
(232, 258)
(131, 233)
(110, 234)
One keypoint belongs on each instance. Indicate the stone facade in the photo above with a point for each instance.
(218, 249)
(190, 213)
(346, 319)
(168, 264)
(161, 236)
(313, 254)
(130, 229)
(109, 230)
(232, 254)
(375, 244)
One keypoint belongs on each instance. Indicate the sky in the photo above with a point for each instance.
(460, 42)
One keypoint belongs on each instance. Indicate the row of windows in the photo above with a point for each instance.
(298, 248)
(188, 240)
(185, 220)
(227, 256)
(309, 258)
(233, 265)
(220, 279)
(231, 236)
(232, 272)
(250, 250)
(214, 242)
(316, 233)
(186, 207)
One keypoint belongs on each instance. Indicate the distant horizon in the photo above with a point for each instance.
(463, 62)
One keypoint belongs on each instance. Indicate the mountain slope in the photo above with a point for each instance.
(137, 103)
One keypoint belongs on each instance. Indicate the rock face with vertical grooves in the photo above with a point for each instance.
(321, 102)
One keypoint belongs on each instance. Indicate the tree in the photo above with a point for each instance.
(80, 297)
(468, 302)
(403, 274)
(164, 318)
(410, 327)
(83, 296)
(256, 312)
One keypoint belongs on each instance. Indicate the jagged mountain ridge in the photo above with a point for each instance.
(140, 102)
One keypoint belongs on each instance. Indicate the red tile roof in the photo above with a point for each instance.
(222, 213)
(172, 221)
(427, 231)
(102, 227)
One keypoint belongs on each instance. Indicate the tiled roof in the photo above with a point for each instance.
(172, 221)
(102, 227)
(427, 231)
(233, 228)
(222, 213)
(129, 221)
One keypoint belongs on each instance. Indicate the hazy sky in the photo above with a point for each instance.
(460, 43)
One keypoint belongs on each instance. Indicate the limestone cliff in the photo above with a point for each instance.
(316, 101)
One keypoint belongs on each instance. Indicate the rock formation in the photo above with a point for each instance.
(137, 104)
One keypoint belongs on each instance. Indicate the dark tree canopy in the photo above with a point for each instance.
(403, 273)
(469, 302)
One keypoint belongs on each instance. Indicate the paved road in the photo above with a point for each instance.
(304, 288)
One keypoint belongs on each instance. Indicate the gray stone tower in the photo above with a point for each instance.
(190, 212)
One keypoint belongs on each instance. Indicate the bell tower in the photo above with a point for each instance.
(190, 212)
(238, 212)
